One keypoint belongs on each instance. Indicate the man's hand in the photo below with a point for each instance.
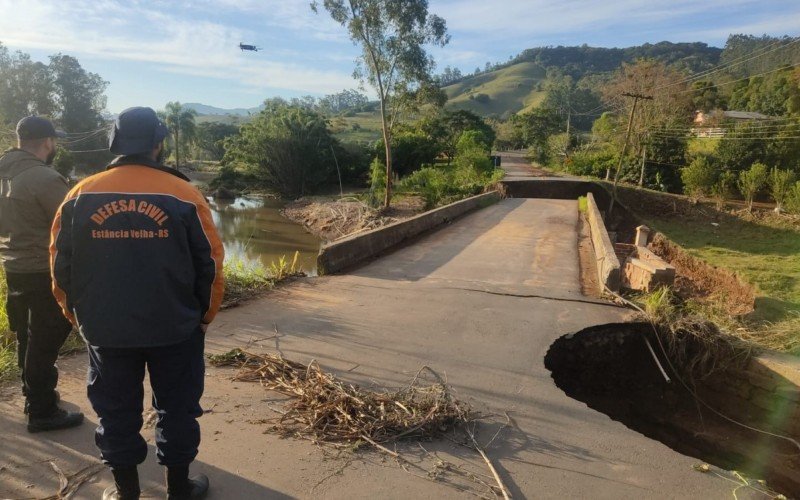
(204, 327)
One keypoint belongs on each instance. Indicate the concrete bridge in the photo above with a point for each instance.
(480, 301)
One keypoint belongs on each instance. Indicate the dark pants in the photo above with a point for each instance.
(116, 391)
(41, 329)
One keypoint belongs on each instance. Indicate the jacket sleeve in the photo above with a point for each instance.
(61, 257)
(50, 193)
(207, 256)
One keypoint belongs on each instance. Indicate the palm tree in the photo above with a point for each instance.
(181, 124)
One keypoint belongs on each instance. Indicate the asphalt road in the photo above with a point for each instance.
(479, 301)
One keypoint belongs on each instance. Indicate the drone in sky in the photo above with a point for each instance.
(251, 48)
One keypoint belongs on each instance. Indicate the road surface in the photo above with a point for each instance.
(480, 301)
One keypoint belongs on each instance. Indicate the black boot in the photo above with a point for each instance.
(180, 487)
(59, 419)
(126, 484)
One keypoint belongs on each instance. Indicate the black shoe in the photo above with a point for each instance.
(126, 485)
(24, 393)
(197, 488)
(60, 419)
(112, 493)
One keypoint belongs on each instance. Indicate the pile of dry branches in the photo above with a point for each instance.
(326, 409)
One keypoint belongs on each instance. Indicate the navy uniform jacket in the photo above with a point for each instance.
(135, 256)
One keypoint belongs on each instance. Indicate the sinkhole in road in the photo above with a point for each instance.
(610, 369)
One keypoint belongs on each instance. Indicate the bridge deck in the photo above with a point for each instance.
(480, 301)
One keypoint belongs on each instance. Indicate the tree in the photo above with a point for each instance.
(392, 35)
(285, 148)
(706, 96)
(570, 101)
(780, 185)
(670, 105)
(752, 181)
(80, 95)
(411, 150)
(26, 87)
(210, 138)
(535, 127)
(741, 147)
(346, 100)
(699, 177)
(446, 128)
(180, 122)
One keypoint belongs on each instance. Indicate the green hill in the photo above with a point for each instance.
(504, 91)
(517, 85)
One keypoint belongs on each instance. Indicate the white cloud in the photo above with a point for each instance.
(134, 32)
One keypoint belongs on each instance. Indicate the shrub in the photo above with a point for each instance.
(231, 179)
(723, 190)
(591, 163)
(699, 177)
(780, 183)
(377, 181)
(793, 199)
(752, 181)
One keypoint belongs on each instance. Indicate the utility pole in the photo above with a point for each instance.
(644, 157)
(636, 98)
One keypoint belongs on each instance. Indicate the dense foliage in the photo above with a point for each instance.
(61, 90)
(285, 148)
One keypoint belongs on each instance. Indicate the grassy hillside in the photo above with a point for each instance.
(507, 90)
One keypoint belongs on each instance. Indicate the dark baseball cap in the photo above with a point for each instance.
(36, 127)
(137, 130)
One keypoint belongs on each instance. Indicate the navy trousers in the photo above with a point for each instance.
(116, 391)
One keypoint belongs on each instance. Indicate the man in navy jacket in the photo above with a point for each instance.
(137, 267)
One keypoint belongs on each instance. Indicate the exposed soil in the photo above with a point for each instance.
(331, 219)
(699, 280)
(695, 279)
(610, 369)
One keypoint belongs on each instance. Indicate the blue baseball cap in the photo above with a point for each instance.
(36, 127)
(137, 130)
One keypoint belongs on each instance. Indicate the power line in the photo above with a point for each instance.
(731, 64)
(89, 150)
(782, 68)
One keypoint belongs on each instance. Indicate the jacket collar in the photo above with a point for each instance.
(121, 161)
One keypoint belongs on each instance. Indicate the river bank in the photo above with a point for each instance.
(331, 218)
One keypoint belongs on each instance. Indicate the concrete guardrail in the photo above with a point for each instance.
(608, 267)
(352, 250)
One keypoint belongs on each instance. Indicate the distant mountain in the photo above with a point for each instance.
(204, 109)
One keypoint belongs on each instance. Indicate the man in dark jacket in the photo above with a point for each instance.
(137, 267)
(30, 193)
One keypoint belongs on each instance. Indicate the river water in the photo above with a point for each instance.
(253, 230)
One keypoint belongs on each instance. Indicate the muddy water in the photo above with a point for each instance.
(253, 230)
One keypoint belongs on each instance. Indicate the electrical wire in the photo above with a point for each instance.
(683, 382)
(88, 150)
(733, 63)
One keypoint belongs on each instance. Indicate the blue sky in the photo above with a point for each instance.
(154, 51)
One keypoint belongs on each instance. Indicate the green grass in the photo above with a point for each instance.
(766, 256)
(509, 89)
(8, 346)
(245, 280)
(583, 204)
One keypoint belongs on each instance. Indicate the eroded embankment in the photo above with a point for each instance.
(610, 369)
(701, 281)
